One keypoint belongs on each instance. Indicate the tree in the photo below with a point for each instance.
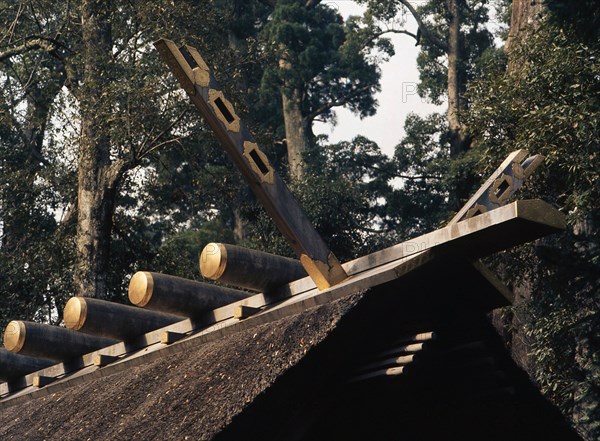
(342, 192)
(102, 80)
(547, 102)
(318, 62)
(418, 204)
(452, 35)
(35, 247)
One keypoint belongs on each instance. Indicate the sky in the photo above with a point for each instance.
(398, 96)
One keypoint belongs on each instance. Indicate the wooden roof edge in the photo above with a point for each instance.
(366, 272)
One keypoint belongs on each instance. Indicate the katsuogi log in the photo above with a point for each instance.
(176, 295)
(51, 342)
(246, 268)
(16, 365)
(113, 320)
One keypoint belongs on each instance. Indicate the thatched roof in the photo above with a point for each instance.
(192, 394)
(289, 379)
(290, 371)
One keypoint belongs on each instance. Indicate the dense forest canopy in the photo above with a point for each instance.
(105, 167)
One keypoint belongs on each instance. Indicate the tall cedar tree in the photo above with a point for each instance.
(318, 63)
(452, 35)
(84, 102)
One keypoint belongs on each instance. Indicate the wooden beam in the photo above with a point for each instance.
(246, 268)
(169, 337)
(15, 365)
(514, 224)
(51, 342)
(176, 295)
(417, 338)
(196, 79)
(404, 349)
(241, 312)
(385, 373)
(101, 360)
(41, 381)
(112, 320)
(403, 360)
(500, 186)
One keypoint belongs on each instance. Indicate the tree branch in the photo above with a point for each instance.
(425, 31)
(396, 31)
(148, 147)
(33, 43)
(376, 35)
(26, 47)
(311, 3)
(159, 145)
(338, 102)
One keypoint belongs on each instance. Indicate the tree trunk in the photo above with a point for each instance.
(32, 135)
(524, 13)
(239, 223)
(459, 139)
(297, 131)
(510, 324)
(239, 226)
(97, 181)
(38, 108)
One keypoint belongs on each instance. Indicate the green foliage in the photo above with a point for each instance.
(314, 51)
(344, 196)
(35, 248)
(548, 103)
(475, 38)
(549, 106)
(583, 16)
(421, 160)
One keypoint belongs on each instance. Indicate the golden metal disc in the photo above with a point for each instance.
(140, 288)
(75, 313)
(14, 336)
(213, 260)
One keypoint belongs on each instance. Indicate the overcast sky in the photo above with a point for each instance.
(397, 98)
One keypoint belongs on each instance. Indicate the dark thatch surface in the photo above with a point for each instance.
(192, 394)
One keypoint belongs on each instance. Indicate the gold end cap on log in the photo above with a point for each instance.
(75, 313)
(213, 261)
(325, 275)
(14, 336)
(140, 288)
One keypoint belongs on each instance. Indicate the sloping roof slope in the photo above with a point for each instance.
(192, 394)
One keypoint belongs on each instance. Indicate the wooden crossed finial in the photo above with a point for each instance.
(198, 81)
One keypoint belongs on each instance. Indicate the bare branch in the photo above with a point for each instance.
(159, 145)
(338, 102)
(148, 147)
(47, 44)
(392, 31)
(11, 29)
(426, 33)
(311, 3)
